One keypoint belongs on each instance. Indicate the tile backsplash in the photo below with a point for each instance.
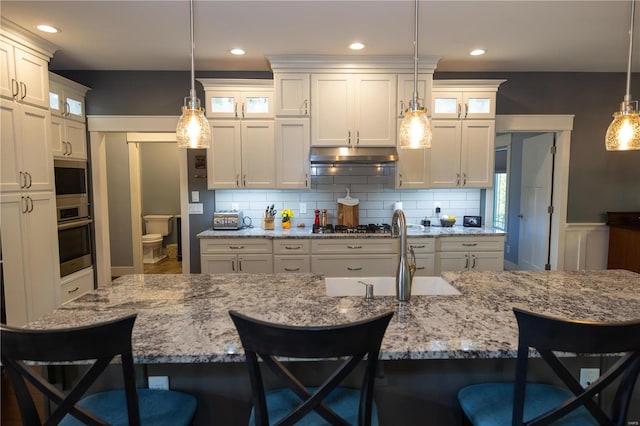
(372, 185)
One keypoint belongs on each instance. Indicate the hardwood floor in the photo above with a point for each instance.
(165, 266)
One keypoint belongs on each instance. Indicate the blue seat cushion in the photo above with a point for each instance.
(343, 401)
(157, 408)
(491, 404)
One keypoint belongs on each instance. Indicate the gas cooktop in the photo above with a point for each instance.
(371, 228)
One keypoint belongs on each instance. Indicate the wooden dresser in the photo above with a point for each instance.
(624, 240)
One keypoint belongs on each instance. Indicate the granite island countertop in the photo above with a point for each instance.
(413, 231)
(184, 319)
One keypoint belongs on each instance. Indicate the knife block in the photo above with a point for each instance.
(267, 223)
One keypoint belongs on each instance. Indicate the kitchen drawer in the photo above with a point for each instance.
(470, 244)
(355, 246)
(76, 284)
(355, 266)
(422, 245)
(289, 246)
(235, 245)
(291, 263)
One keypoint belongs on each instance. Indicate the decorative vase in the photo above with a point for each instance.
(286, 224)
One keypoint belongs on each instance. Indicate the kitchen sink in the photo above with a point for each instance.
(385, 286)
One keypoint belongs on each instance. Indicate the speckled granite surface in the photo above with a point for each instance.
(412, 231)
(183, 318)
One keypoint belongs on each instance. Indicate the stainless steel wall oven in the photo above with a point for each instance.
(74, 243)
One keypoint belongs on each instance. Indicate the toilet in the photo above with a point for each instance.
(157, 226)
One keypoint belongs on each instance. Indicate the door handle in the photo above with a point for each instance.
(521, 216)
(24, 92)
(473, 264)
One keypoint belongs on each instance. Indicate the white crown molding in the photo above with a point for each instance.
(27, 39)
(476, 85)
(351, 64)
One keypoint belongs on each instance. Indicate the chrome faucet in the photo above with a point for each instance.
(406, 269)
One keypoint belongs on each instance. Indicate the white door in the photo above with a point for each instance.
(535, 199)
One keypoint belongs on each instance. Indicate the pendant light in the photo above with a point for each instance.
(193, 129)
(415, 128)
(624, 131)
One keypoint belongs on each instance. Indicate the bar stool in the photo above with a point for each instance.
(494, 404)
(295, 403)
(99, 342)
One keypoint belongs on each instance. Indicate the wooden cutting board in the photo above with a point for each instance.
(348, 215)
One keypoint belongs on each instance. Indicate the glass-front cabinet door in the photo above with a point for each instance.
(240, 104)
(463, 105)
(65, 102)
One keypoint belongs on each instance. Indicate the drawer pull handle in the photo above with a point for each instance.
(356, 268)
(291, 269)
(354, 247)
(469, 244)
(418, 246)
(293, 247)
(74, 290)
(236, 247)
(419, 267)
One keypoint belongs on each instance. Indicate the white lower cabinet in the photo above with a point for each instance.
(227, 255)
(75, 285)
(30, 260)
(424, 249)
(291, 255)
(354, 257)
(470, 253)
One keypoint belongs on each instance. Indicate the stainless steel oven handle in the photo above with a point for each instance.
(73, 224)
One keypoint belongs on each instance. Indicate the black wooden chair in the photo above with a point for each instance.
(541, 404)
(100, 342)
(328, 403)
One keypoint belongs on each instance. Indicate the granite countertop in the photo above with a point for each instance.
(306, 232)
(184, 319)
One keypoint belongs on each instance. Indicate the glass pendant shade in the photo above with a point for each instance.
(193, 130)
(415, 130)
(623, 133)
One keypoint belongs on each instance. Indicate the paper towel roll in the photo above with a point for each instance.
(397, 205)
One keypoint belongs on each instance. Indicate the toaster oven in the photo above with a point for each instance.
(227, 219)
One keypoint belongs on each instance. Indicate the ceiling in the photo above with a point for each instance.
(519, 35)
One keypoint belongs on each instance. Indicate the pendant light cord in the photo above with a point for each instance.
(193, 74)
(414, 106)
(627, 96)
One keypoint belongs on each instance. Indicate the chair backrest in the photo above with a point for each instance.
(353, 341)
(99, 342)
(547, 334)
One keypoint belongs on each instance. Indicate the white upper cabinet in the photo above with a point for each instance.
(25, 148)
(292, 153)
(353, 109)
(242, 154)
(238, 98)
(66, 98)
(23, 74)
(292, 96)
(405, 92)
(68, 138)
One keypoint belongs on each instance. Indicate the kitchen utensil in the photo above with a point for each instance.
(348, 211)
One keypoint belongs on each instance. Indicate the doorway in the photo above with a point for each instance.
(155, 202)
(560, 126)
(523, 205)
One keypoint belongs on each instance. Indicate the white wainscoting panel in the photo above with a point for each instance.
(586, 246)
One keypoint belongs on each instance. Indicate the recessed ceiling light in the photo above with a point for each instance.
(237, 52)
(477, 52)
(356, 46)
(48, 29)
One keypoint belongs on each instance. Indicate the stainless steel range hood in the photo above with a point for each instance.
(361, 155)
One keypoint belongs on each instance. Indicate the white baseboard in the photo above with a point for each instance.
(117, 271)
(586, 246)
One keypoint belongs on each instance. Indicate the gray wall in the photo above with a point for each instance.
(591, 97)
(199, 222)
(119, 199)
